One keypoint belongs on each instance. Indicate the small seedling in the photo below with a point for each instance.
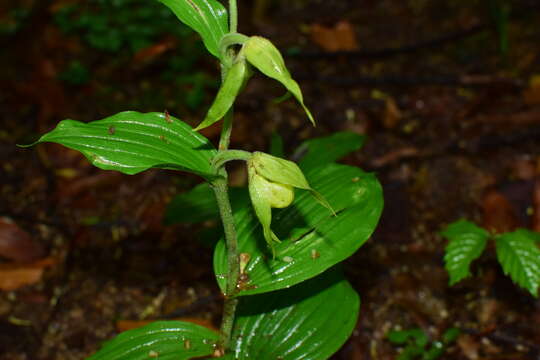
(417, 346)
(517, 252)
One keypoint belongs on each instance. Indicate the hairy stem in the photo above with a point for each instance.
(221, 191)
(226, 129)
(233, 16)
(233, 263)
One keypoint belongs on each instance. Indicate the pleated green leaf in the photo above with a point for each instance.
(163, 340)
(131, 142)
(520, 258)
(226, 95)
(207, 17)
(466, 242)
(312, 239)
(264, 56)
(325, 150)
(310, 321)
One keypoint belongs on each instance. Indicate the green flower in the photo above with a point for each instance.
(271, 185)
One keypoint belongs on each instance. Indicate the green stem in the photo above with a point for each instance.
(226, 130)
(220, 186)
(233, 262)
(229, 155)
(233, 16)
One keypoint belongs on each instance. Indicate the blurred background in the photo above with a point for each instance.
(447, 95)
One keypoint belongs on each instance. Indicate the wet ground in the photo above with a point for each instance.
(453, 130)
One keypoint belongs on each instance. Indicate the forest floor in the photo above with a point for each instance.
(452, 130)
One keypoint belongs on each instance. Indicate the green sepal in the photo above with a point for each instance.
(259, 199)
(207, 17)
(284, 172)
(234, 81)
(264, 56)
(279, 170)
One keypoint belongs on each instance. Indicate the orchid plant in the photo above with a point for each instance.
(285, 296)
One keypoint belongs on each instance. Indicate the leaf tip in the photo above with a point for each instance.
(199, 127)
(322, 200)
(310, 116)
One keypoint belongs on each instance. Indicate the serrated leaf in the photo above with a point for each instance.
(324, 150)
(520, 259)
(226, 95)
(207, 17)
(312, 238)
(131, 142)
(466, 242)
(199, 204)
(534, 235)
(164, 340)
(309, 321)
(264, 56)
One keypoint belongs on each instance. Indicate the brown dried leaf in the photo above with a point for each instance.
(16, 244)
(13, 277)
(341, 37)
